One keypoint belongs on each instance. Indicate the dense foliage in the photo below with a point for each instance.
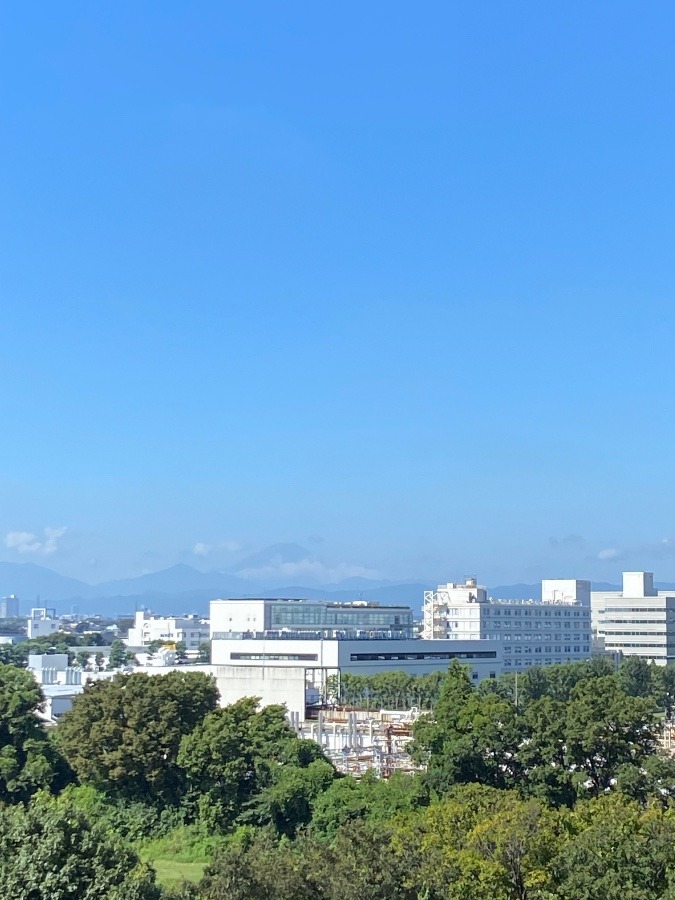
(551, 788)
(123, 736)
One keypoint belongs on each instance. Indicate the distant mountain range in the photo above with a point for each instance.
(183, 589)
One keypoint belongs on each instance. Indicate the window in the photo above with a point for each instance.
(297, 657)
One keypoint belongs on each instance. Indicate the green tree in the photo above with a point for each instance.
(232, 755)
(635, 677)
(119, 655)
(542, 753)
(83, 659)
(481, 843)
(615, 850)
(204, 653)
(471, 736)
(604, 729)
(28, 760)
(99, 661)
(663, 688)
(372, 799)
(51, 851)
(288, 802)
(123, 736)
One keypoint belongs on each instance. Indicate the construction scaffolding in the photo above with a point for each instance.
(356, 741)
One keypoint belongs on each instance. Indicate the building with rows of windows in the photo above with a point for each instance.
(555, 629)
(295, 651)
(637, 620)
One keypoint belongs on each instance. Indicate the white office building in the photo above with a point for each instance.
(637, 620)
(294, 651)
(556, 629)
(190, 630)
(42, 622)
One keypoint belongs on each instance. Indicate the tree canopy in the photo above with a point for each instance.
(123, 736)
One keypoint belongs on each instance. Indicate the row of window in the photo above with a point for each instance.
(638, 609)
(372, 657)
(536, 613)
(537, 626)
(530, 662)
(359, 618)
(295, 657)
(668, 636)
(561, 648)
(619, 645)
(537, 637)
(637, 621)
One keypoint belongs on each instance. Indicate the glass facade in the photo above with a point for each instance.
(335, 616)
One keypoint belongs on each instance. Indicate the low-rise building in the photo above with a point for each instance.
(42, 622)
(189, 630)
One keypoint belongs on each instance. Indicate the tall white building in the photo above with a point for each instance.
(637, 620)
(555, 629)
(190, 630)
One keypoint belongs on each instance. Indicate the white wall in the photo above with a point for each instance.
(238, 615)
(334, 654)
(42, 627)
(272, 684)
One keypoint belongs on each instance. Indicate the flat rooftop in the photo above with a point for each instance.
(339, 604)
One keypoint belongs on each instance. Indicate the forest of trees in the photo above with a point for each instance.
(556, 789)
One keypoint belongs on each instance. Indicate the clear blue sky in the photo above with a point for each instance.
(396, 277)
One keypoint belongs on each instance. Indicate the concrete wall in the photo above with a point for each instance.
(272, 684)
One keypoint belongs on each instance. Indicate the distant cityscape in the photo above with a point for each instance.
(298, 651)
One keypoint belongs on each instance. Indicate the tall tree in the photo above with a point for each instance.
(28, 760)
(231, 756)
(123, 736)
(604, 729)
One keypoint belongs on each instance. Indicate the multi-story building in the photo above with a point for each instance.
(9, 607)
(42, 622)
(278, 615)
(292, 651)
(189, 630)
(636, 621)
(555, 629)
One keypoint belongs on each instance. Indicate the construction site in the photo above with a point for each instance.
(358, 741)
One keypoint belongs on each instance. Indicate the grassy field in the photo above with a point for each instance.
(172, 871)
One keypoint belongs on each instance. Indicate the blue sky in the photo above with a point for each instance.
(395, 279)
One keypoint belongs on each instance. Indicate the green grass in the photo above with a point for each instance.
(171, 871)
(183, 853)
